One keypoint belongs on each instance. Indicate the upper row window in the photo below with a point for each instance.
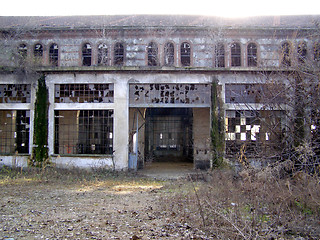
(169, 54)
(152, 54)
(38, 53)
(287, 54)
(236, 55)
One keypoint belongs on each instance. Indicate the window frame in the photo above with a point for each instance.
(167, 54)
(152, 54)
(302, 52)
(22, 52)
(15, 135)
(185, 56)
(236, 54)
(54, 54)
(316, 51)
(38, 53)
(220, 55)
(118, 54)
(252, 55)
(90, 132)
(103, 59)
(86, 54)
(285, 54)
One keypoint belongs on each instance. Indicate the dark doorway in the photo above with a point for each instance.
(168, 135)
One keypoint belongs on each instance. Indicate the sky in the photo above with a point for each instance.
(226, 8)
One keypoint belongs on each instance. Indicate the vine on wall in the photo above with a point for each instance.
(217, 127)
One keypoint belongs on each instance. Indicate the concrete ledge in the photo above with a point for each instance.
(84, 162)
(14, 161)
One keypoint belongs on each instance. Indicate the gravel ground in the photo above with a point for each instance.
(101, 209)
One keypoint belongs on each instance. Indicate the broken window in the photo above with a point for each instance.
(144, 94)
(15, 93)
(302, 52)
(86, 54)
(84, 93)
(185, 54)
(254, 93)
(250, 133)
(83, 132)
(169, 54)
(219, 55)
(53, 54)
(118, 54)
(152, 54)
(38, 50)
(102, 54)
(316, 52)
(22, 53)
(252, 55)
(14, 131)
(235, 55)
(285, 54)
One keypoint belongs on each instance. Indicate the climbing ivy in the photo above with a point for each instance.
(40, 150)
(217, 132)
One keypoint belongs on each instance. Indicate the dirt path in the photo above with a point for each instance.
(32, 209)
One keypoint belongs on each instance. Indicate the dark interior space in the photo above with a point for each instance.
(168, 135)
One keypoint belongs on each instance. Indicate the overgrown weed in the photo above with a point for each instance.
(257, 204)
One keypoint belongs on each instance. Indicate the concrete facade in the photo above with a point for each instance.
(76, 79)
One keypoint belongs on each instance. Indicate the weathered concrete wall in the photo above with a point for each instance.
(91, 162)
(14, 161)
(201, 138)
(135, 44)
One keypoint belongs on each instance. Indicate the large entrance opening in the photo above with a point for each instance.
(168, 135)
(169, 123)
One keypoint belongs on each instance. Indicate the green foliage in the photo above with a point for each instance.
(217, 132)
(40, 151)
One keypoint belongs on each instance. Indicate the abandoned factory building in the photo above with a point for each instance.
(120, 91)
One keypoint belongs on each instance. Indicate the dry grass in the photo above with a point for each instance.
(215, 205)
(255, 205)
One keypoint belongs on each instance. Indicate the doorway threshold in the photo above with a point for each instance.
(167, 170)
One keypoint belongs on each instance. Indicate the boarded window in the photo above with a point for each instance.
(102, 54)
(252, 55)
(118, 54)
(235, 55)
(219, 55)
(83, 132)
(53, 54)
(86, 54)
(84, 93)
(14, 131)
(169, 54)
(15, 93)
(185, 54)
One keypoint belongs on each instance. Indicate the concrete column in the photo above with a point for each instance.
(201, 138)
(50, 87)
(121, 123)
